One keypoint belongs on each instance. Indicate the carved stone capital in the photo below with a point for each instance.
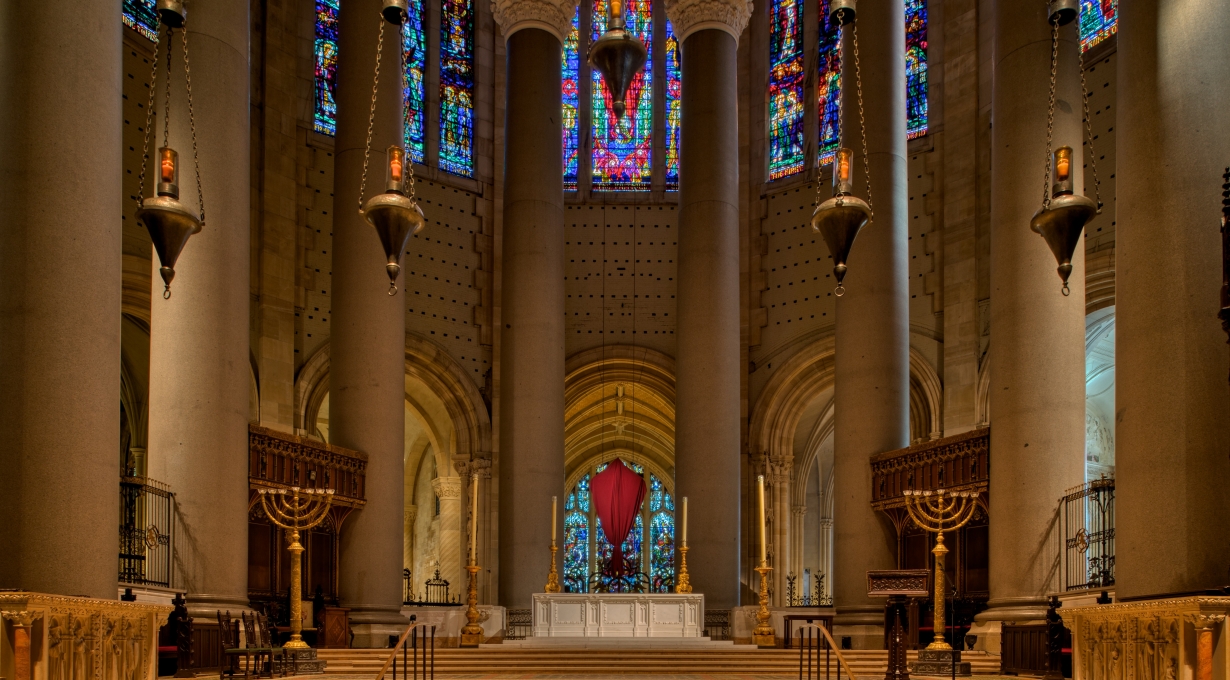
(22, 619)
(554, 16)
(799, 510)
(447, 487)
(689, 16)
(468, 468)
(411, 513)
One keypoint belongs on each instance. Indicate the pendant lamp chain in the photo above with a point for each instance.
(371, 117)
(862, 122)
(149, 122)
(1093, 156)
(196, 159)
(1050, 117)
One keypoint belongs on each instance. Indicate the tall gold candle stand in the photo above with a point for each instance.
(931, 511)
(552, 576)
(685, 582)
(472, 633)
(295, 515)
(762, 634)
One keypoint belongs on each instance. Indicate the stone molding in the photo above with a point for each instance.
(468, 468)
(689, 16)
(553, 16)
(447, 487)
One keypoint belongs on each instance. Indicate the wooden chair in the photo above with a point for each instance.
(260, 655)
(284, 661)
(228, 638)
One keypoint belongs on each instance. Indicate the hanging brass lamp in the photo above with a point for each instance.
(1064, 213)
(840, 218)
(395, 213)
(170, 223)
(618, 55)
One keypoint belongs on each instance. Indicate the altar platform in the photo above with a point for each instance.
(618, 615)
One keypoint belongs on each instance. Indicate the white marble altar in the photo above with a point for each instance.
(653, 615)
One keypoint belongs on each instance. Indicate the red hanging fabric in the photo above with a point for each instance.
(617, 493)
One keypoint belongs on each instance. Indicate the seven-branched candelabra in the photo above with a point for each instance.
(294, 514)
(937, 512)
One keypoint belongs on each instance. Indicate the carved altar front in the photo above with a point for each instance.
(653, 615)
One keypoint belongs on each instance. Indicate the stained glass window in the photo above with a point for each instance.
(326, 66)
(457, 87)
(140, 16)
(572, 101)
(576, 537)
(622, 148)
(828, 85)
(915, 68)
(785, 88)
(662, 551)
(414, 47)
(1099, 19)
(674, 95)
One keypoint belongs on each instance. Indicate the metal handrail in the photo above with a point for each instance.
(409, 633)
(832, 645)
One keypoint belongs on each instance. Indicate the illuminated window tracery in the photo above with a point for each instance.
(785, 88)
(1098, 21)
(142, 17)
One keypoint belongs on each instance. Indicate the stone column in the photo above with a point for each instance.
(1037, 334)
(367, 375)
(826, 553)
(707, 407)
(407, 550)
(448, 490)
(782, 530)
(60, 207)
(199, 366)
(872, 373)
(532, 311)
(1172, 434)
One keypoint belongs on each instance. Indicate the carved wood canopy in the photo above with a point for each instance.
(278, 460)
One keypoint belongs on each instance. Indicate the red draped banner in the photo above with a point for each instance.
(617, 493)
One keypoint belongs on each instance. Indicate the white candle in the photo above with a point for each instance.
(474, 523)
(760, 497)
(685, 521)
(553, 520)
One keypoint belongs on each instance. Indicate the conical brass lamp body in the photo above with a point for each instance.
(839, 220)
(1061, 225)
(170, 225)
(618, 55)
(395, 218)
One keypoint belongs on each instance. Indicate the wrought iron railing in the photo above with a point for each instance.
(147, 532)
(520, 624)
(435, 592)
(1088, 516)
(816, 598)
(717, 624)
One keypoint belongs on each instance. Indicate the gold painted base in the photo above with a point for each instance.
(296, 644)
(685, 582)
(939, 645)
(552, 576)
(472, 632)
(762, 634)
(765, 641)
(471, 639)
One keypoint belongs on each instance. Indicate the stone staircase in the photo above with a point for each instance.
(625, 657)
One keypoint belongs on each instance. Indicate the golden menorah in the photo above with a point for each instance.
(294, 513)
(939, 511)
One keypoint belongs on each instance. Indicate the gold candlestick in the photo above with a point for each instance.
(762, 634)
(552, 576)
(472, 633)
(295, 515)
(931, 511)
(685, 582)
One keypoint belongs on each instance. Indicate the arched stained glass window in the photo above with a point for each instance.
(651, 543)
(785, 88)
(326, 66)
(141, 16)
(828, 85)
(674, 94)
(414, 47)
(1098, 21)
(915, 68)
(622, 152)
(457, 87)
(572, 102)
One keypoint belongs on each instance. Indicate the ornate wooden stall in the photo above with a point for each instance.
(277, 460)
(957, 463)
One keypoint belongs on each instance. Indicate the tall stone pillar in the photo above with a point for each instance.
(707, 430)
(60, 205)
(1037, 334)
(532, 311)
(367, 373)
(872, 372)
(449, 540)
(785, 551)
(1172, 515)
(199, 366)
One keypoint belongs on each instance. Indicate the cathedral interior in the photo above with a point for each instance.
(621, 285)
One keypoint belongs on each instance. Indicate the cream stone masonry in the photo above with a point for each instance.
(689, 16)
(553, 16)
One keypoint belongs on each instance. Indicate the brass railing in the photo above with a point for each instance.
(417, 648)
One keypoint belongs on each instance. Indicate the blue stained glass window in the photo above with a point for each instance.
(623, 148)
(785, 88)
(457, 87)
(674, 111)
(572, 102)
(414, 47)
(662, 551)
(576, 550)
(1098, 21)
(656, 491)
(828, 85)
(326, 66)
(916, 68)
(142, 17)
(578, 531)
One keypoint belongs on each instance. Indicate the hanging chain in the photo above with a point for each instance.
(149, 121)
(371, 116)
(1093, 156)
(196, 159)
(862, 123)
(1050, 116)
(166, 109)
